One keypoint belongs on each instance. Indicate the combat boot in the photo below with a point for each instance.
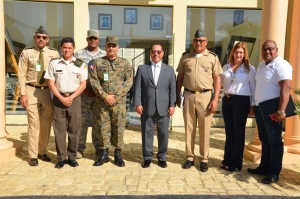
(118, 159)
(103, 158)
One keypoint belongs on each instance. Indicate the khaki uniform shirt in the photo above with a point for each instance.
(67, 74)
(199, 72)
(28, 60)
(111, 78)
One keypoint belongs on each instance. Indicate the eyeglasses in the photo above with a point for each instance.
(198, 40)
(92, 38)
(156, 51)
(267, 49)
(111, 45)
(39, 36)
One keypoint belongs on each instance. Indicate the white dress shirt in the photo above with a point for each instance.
(239, 83)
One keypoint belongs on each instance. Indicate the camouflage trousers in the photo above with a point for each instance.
(86, 105)
(110, 122)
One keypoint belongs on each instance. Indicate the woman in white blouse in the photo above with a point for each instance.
(238, 82)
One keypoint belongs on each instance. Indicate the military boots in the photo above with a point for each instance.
(118, 159)
(103, 158)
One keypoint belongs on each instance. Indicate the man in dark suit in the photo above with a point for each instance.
(155, 99)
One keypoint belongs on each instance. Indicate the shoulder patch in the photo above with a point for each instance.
(53, 59)
(78, 62)
(214, 54)
(52, 48)
(185, 53)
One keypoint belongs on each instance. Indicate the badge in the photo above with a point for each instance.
(38, 68)
(91, 67)
(206, 69)
(78, 76)
(105, 76)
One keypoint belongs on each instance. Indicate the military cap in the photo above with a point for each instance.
(200, 33)
(41, 30)
(93, 33)
(112, 40)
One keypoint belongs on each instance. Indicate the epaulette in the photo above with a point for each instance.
(50, 48)
(214, 54)
(78, 62)
(28, 48)
(185, 53)
(54, 59)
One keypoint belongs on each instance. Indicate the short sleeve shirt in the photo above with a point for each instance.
(67, 74)
(199, 72)
(268, 76)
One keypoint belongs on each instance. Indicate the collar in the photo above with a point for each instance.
(158, 64)
(61, 59)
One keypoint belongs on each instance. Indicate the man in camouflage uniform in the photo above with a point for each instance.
(111, 78)
(92, 51)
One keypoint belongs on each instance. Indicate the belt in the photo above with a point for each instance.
(66, 94)
(197, 92)
(39, 87)
(233, 95)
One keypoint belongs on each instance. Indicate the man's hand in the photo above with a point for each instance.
(251, 112)
(277, 117)
(178, 101)
(110, 100)
(171, 111)
(24, 101)
(213, 106)
(139, 109)
(67, 101)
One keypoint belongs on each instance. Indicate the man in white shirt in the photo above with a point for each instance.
(273, 79)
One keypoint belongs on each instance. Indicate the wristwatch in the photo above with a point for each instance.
(280, 112)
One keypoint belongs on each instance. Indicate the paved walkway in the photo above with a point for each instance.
(17, 178)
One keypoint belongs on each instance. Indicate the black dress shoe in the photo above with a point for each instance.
(188, 164)
(270, 179)
(232, 169)
(146, 163)
(257, 171)
(203, 166)
(33, 162)
(162, 164)
(44, 157)
(73, 163)
(60, 164)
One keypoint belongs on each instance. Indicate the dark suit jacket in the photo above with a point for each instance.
(151, 97)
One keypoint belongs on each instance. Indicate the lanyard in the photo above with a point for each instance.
(232, 76)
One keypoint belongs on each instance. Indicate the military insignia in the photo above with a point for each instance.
(78, 62)
(78, 76)
(91, 67)
(21, 55)
(85, 66)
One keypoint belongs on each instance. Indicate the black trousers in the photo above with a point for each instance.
(66, 120)
(162, 125)
(235, 111)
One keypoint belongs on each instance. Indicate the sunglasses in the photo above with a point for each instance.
(198, 40)
(92, 38)
(39, 36)
(156, 51)
(267, 49)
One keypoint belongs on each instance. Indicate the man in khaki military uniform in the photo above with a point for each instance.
(35, 94)
(67, 79)
(198, 72)
(111, 79)
(92, 51)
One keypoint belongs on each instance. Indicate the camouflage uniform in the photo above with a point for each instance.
(110, 119)
(86, 102)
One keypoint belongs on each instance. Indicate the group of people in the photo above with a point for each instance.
(93, 82)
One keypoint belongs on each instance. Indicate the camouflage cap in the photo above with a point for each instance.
(112, 40)
(200, 33)
(41, 30)
(93, 33)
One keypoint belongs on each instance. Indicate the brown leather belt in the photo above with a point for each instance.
(197, 92)
(39, 87)
(233, 95)
(67, 94)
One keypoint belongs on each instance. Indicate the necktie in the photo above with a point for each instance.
(155, 74)
(41, 73)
